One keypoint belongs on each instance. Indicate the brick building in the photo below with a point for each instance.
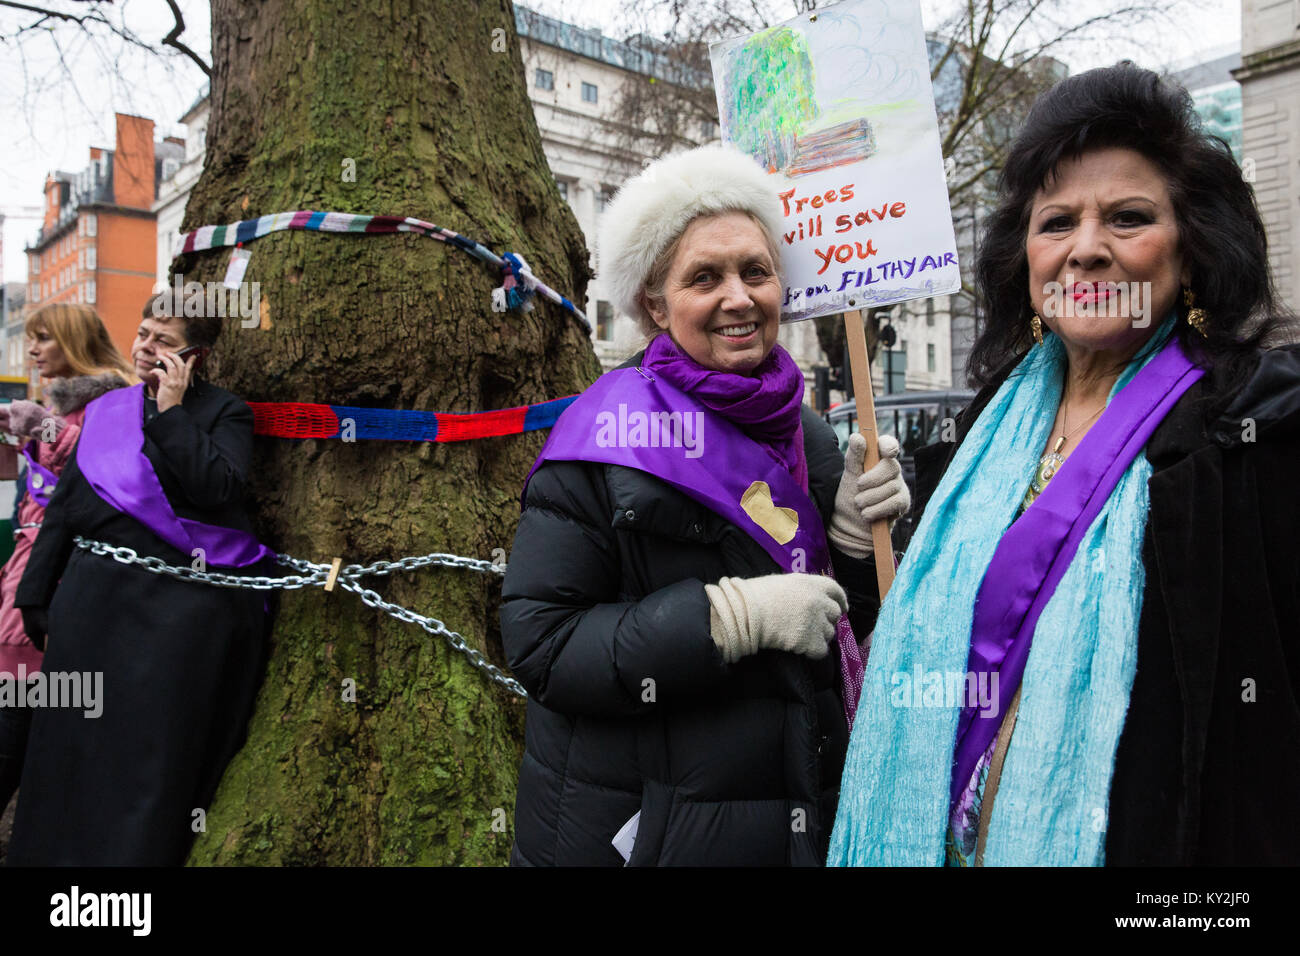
(97, 240)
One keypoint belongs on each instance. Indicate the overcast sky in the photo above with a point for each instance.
(58, 91)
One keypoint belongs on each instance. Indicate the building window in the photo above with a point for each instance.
(81, 227)
(563, 187)
(588, 92)
(895, 362)
(929, 358)
(604, 197)
(929, 311)
(35, 265)
(92, 224)
(90, 258)
(708, 129)
(544, 80)
(90, 292)
(81, 259)
(604, 321)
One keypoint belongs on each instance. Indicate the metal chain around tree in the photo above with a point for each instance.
(325, 576)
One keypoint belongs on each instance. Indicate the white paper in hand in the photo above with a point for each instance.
(626, 837)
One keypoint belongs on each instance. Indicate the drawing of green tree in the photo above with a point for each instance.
(772, 103)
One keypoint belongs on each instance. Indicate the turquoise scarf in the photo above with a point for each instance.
(1055, 786)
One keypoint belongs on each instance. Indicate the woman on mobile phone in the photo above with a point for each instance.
(173, 665)
(69, 348)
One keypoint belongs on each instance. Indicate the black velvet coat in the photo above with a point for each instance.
(181, 661)
(727, 764)
(1208, 765)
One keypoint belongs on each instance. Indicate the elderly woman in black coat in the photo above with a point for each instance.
(668, 604)
(161, 471)
(1105, 567)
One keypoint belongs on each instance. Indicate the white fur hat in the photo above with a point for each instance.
(653, 208)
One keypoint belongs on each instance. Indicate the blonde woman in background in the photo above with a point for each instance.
(70, 348)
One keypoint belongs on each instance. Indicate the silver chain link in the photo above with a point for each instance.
(316, 575)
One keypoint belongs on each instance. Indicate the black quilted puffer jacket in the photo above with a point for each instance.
(606, 623)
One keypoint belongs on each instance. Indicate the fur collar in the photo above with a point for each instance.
(67, 395)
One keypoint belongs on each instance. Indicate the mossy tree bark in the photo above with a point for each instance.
(428, 99)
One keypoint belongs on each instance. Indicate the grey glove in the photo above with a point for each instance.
(27, 419)
(781, 612)
(864, 498)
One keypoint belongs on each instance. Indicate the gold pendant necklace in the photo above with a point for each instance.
(1051, 462)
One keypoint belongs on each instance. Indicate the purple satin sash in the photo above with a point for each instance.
(602, 426)
(110, 454)
(1036, 550)
(40, 480)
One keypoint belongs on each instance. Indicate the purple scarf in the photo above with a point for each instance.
(716, 463)
(111, 457)
(765, 404)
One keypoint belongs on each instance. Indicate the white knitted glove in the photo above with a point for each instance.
(863, 498)
(781, 612)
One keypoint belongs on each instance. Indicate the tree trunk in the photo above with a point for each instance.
(431, 105)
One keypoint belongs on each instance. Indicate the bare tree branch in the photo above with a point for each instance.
(172, 39)
(95, 17)
(47, 14)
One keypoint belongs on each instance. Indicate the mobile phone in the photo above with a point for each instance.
(183, 353)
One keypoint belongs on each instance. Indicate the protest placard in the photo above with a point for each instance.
(838, 106)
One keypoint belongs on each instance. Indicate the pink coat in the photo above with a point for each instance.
(15, 647)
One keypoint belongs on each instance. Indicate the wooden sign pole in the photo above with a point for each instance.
(861, 368)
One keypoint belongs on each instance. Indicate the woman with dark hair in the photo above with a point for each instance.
(1090, 653)
(168, 669)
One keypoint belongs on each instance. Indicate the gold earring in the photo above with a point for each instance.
(1036, 326)
(1196, 318)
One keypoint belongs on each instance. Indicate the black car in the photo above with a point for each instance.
(914, 418)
